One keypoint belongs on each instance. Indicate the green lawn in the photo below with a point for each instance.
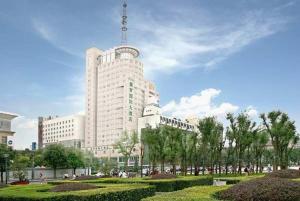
(197, 193)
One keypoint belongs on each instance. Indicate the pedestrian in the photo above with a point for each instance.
(41, 178)
(246, 171)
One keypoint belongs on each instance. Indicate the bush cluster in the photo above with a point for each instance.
(290, 174)
(72, 187)
(263, 189)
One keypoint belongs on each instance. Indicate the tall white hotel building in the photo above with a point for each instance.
(116, 94)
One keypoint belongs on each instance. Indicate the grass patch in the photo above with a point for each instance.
(197, 193)
(107, 192)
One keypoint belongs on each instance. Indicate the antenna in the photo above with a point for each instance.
(124, 24)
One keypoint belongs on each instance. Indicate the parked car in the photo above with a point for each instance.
(99, 174)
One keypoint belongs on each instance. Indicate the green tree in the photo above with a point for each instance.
(55, 156)
(107, 165)
(183, 150)
(19, 165)
(283, 136)
(192, 151)
(295, 156)
(90, 161)
(212, 140)
(151, 144)
(229, 151)
(126, 145)
(4, 149)
(242, 130)
(260, 141)
(172, 145)
(75, 159)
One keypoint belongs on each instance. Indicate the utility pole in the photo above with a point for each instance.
(32, 166)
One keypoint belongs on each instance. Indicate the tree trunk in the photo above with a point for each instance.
(74, 171)
(162, 168)
(196, 173)
(174, 169)
(257, 164)
(142, 164)
(260, 165)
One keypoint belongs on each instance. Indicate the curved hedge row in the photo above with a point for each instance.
(196, 193)
(128, 192)
(162, 185)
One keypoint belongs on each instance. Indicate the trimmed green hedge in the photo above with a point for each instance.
(162, 185)
(196, 193)
(234, 179)
(116, 192)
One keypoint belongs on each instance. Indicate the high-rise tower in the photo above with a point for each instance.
(116, 93)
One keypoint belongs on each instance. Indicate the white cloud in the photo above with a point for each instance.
(175, 44)
(26, 132)
(51, 35)
(200, 104)
(252, 112)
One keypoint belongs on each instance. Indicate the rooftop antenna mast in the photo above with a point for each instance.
(124, 24)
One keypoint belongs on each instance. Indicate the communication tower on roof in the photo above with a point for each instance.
(124, 24)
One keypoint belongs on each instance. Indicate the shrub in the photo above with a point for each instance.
(86, 177)
(19, 183)
(290, 174)
(72, 187)
(106, 193)
(263, 189)
(163, 176)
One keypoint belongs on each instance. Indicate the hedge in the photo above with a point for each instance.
(162, 185)
(196, 193)
(116, 192)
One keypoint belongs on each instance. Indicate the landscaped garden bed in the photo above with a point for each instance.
(196, 193)
(104, 192)
(263, 189)
(291, 174)
(162, 185)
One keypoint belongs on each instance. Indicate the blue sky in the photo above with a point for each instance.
(206, 57)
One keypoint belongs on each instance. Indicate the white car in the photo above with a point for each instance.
(99, 174)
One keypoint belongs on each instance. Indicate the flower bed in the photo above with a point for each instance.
(291, 174)
(263, 189)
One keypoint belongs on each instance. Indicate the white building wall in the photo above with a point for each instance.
(118, 100)
(66, 130)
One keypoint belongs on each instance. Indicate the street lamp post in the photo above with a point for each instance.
(32, 166)
(6, 169)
